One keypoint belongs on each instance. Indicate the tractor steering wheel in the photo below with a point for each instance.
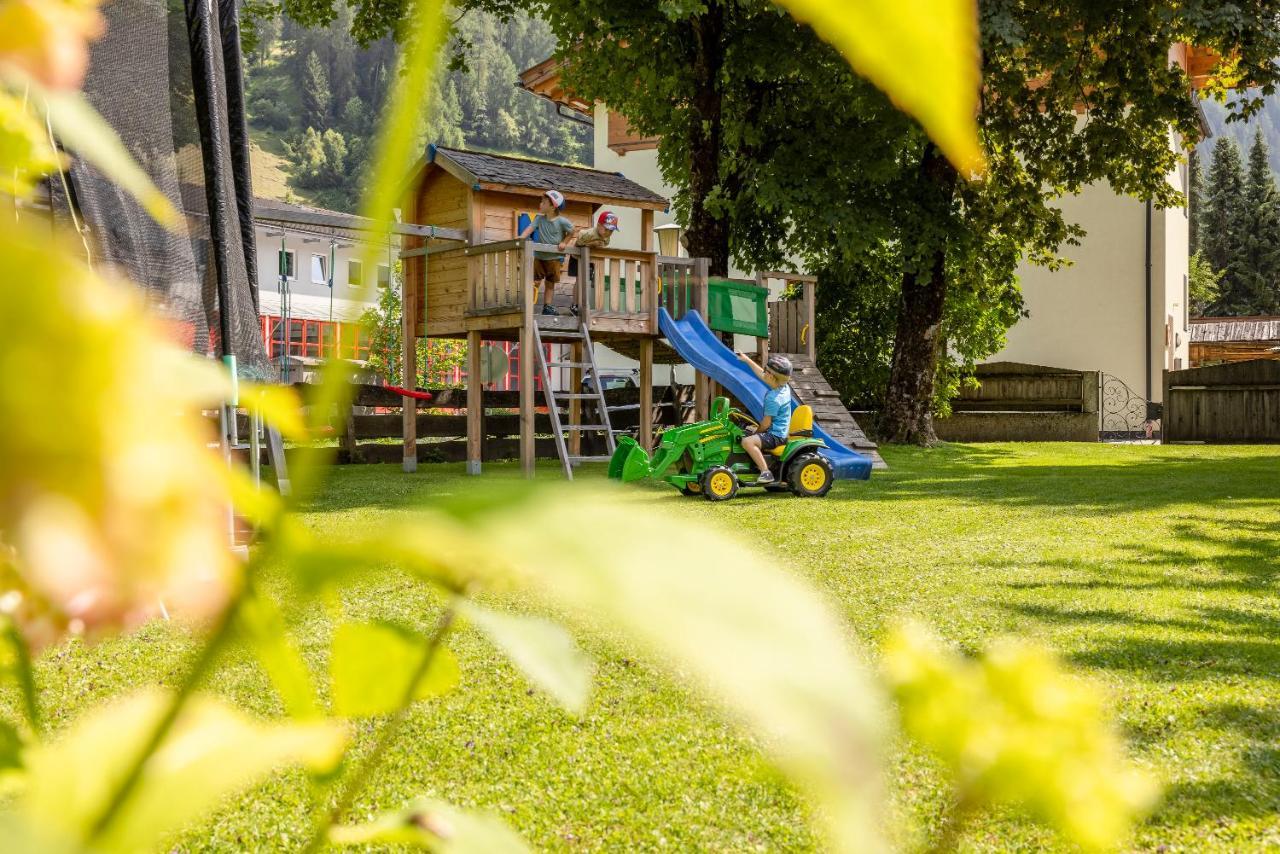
(742, 418)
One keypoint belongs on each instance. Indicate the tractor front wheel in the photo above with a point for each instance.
(691, 488)
(811, 476)
(719, 483)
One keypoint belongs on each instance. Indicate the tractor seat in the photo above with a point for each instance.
(801, 427)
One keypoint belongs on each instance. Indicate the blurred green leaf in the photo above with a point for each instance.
(1014, 728)
(25, 152)
(79, 127)
(18, 662)
(212, 751)
(543, 651)
(10, 747)
(433, 826)
(720, 616)
(372, 664)
(263, 627)
(279, 406)
(922, 53)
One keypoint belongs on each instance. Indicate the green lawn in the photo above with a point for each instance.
(1155, 570)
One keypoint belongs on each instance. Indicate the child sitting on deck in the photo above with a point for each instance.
(549, 226)
(774, 427)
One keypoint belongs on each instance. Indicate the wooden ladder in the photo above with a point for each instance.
(551, 329)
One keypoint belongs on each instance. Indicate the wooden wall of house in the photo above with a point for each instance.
(442, 200)
(497, 213)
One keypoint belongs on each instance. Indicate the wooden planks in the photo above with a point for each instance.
(1232, 403)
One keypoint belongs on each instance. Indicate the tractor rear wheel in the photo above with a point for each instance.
(811, 476)
(719, 483)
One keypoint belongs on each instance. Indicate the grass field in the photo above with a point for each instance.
(1154, 570)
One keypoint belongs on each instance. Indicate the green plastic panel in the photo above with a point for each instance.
(739, 307)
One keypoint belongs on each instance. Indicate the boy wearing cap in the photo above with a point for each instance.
(606, 225)
(774, 427)
(549, 226)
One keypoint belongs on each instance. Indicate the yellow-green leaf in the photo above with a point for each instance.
(212, 751)
(264, 629)
(25, 152)
(433, 826)
(279, 406)
(80, 128)
(713, 612)
(922, 53)
(372, 664)
(542, 650)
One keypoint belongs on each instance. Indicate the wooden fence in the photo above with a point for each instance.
(1232, 403)
(443, 421)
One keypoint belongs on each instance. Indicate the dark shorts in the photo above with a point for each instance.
(546, 271)
(768, 441)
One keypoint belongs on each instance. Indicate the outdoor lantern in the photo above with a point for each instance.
(668, 239)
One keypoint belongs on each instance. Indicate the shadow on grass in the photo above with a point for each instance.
(1085, 478)
(1197, 622)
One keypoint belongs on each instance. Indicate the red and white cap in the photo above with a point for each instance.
(609, 220)
(556, 197)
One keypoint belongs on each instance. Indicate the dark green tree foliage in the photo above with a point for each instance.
(1225, 219)
(315, 93)
(320, 77)
(1257, 282)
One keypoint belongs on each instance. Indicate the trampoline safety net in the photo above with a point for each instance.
(166, 77)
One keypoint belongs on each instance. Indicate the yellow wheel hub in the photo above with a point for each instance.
(721, 483)
(813, 477)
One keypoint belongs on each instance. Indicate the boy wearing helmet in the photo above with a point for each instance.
(549, 226)
(773, 429)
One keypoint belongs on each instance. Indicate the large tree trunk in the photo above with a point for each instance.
(908, 408)
(707, 235)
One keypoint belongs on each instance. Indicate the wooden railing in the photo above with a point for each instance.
(622, 285)
(791, 321)
(683, 285)
(499, 276)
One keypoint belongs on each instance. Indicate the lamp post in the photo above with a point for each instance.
(668, 239)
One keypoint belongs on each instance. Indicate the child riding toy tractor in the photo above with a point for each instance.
(707, 458)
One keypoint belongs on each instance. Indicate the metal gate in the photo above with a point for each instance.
(1123, 414)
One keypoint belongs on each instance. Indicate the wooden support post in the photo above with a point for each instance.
(645, 434)
(700, 298)
(347, 441)
(475, 403)
(810, 319)
(646, 230)
(527, 361)
(575, 405)
(409, 361)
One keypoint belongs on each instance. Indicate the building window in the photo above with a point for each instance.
(384, 275)
(284, 260)
(319, 269)
(315, 339)
(355, 274)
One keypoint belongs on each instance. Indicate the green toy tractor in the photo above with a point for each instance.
(707, 458)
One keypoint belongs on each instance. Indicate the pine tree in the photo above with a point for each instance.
(1225, 219)
(1259, 273)
(316, 96)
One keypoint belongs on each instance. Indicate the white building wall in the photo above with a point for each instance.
(1091, 315)
(304, 245)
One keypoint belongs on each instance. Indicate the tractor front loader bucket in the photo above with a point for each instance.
(630, 461)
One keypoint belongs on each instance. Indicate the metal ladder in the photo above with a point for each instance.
(550, 330)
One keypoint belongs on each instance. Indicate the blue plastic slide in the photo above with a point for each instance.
(694, 340)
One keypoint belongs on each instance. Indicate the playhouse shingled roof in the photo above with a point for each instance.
(493, 171)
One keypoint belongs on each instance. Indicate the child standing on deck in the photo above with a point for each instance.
(549, 226)
(772, 432)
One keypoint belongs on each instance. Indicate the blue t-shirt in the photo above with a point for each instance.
(550, 231)
(777, 404)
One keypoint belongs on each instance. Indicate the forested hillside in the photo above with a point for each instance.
(314, 96)
(1241, 133)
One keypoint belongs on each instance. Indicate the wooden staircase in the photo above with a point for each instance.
(571, 330)
(811, 387)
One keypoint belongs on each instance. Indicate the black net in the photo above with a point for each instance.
(159, 78)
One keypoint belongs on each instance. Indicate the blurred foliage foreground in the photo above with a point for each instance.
(114, 506)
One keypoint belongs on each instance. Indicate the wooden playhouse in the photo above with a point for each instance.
(482, 290)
